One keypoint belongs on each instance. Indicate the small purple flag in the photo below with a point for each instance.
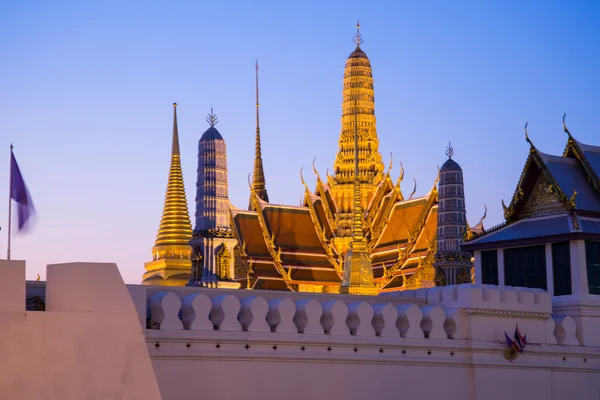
(20, 194)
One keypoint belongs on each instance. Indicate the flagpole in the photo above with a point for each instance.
(9, 201)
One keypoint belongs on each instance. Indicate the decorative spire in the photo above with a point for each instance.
(357, 37)
(175, 226)
(358, 272)
(212, 118)
(449, 151)
(259, 185)
(175, 145)
(171, 252)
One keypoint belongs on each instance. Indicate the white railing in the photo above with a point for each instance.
(476, 312)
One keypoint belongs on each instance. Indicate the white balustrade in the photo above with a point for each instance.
(253, 314)
(384, 320)
(224, 313)
(409, 321)
(432, 323)
(281, 315)
(360, 318)
(335, 313)
(164, 310)
(308, 316)
(451, 312)
(195, 309)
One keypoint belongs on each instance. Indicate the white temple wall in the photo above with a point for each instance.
(86, 345)
(445, 342)
(276, 380)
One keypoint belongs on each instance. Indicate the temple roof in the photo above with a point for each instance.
(570, 176)
(528, 228)
(211, 134)
(555, 195)
(358, 53)
(450, 165)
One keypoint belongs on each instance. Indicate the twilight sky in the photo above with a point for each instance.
(86, 90)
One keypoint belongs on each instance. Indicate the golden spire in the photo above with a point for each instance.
(258, 176)
(171, 253)
(357, 37)
(358, 102)
(358, 271)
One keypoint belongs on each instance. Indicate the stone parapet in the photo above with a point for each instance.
(466, 312)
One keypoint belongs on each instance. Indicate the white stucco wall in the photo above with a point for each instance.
(462, 356)
(88, 344)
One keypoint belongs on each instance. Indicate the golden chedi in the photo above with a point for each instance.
(171, 255)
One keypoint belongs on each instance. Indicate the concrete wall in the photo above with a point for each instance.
(88, 344)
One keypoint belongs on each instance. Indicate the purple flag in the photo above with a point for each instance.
(20, 194)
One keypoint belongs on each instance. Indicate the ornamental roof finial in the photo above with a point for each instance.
(526, 135)
(212, 118)
(175, 145)
(357, 37)
(449, 150)
(565, 125)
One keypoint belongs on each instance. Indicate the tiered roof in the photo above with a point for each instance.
(288, 245)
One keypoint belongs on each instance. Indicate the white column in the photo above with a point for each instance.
(478, 275)
(501, 267)
(549, 271)
(579, 280)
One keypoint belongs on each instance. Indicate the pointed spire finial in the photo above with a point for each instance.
(212, 118)
(258, 176)
(565, 125)
(357, 37)
(449, 150)
(175, 145)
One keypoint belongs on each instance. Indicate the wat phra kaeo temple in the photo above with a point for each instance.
(356, 232)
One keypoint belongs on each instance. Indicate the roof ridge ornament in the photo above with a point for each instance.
(565, 125)
(573, 197)
(527, 136)
(414, 189)
(357, 37)
(212, 118)
(449, 151)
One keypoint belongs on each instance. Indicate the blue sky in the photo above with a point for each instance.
(87, 87)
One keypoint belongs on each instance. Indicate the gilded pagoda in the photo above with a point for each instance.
(302, 248)
(355, 233)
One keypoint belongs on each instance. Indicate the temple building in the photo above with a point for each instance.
(354, 233)
(213, 242)
(315, 246)
(171, 255)
(551, 235)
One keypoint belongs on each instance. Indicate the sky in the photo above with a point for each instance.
(86, 93)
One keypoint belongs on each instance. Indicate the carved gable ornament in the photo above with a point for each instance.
(543, 199)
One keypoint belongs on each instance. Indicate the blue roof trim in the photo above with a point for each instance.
(569, 175)
(589, 225)
(527, 229)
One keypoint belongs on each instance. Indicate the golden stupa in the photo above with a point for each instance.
(171, 255)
